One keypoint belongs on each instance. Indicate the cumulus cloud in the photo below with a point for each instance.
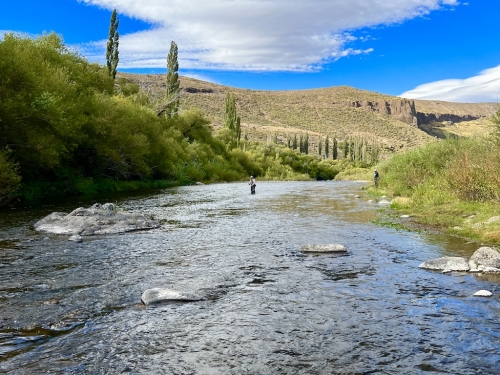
(485, 87)
(274, 35)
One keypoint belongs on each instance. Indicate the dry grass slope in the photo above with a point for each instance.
(320, 112)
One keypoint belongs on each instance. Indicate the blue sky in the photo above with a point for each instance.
(429, 49)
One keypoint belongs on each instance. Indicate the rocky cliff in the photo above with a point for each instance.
(401, 109)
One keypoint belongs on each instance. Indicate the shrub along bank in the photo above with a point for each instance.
(452, 184)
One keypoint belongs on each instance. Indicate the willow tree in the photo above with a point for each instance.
(112, 47)
(173, 84)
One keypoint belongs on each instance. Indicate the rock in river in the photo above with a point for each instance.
(160, 295)
(98, 219)
(446, 263)
(331, 248)
(485, 258)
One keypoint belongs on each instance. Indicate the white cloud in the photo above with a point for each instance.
(485, 87)
(288, 35)
(200, 77)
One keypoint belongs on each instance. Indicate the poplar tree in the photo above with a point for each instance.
(306, 144)
(173, 84)
(327, 147)
(230, 112)
(320, 145)
(334, 149)
(238, 129)
(294, 144)
(112, 47)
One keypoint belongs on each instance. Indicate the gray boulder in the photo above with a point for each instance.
(331, 248)
(98, 219)
(160, 295)
(485, 259)
(446, 264)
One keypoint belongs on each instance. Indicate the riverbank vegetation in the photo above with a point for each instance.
(67, 127)
(453, 184)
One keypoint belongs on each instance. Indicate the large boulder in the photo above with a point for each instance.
(331, 248)
(485, 259)
(98, 219)
(447, 264)
(160, 295)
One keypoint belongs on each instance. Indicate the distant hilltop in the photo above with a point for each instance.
(394, 123)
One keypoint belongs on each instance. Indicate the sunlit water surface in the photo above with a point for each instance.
(268, 309)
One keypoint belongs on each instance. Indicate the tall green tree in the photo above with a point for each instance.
(334, 149)
(320, 146)
(294, 143)
(112, 47)
(327, 147)
(238, 129)
(230, 112)
(173, 84)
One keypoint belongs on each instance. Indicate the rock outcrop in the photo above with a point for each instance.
(402, 109)
(160, 295)
(98, 219)
(427, 118)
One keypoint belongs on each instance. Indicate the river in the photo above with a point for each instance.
(74, 308)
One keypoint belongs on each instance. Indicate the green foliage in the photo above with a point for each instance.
(173, 85)
(441, 172)
(112, 46)
(9, 179)
(335, 149)
(327, 147)
(230, 116)
(495, 119)
(128, 88)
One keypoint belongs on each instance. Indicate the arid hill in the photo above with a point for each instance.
(392, 122)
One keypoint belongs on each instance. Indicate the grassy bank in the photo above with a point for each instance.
(452, 185)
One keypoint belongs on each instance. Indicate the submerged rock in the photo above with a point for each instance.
(98, 219)
(384, 202)
(160, 295)
(331, 248)
(446, 263)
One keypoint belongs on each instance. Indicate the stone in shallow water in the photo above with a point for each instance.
(446, 263)
(483, 293)
(76, 238)
(485, 258)
(331, 248)
(161, 295)
(98, 219)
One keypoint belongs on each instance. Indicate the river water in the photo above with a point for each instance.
(74, 308)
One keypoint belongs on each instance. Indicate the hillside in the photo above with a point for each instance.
(392, 122)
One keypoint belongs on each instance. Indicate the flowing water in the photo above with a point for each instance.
(74, 308)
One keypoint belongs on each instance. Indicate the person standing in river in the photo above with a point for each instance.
(252, 185)
(376, 177)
